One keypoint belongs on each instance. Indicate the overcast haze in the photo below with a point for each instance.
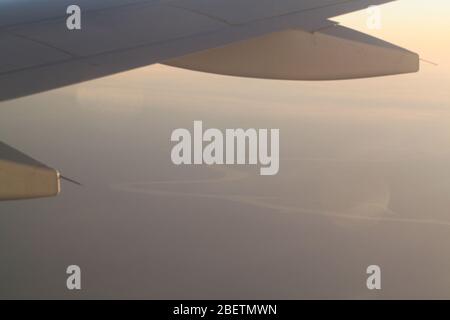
(364, 179)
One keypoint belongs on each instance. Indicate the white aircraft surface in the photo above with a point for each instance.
(270, 39)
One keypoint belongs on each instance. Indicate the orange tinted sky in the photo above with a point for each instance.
(419, 25)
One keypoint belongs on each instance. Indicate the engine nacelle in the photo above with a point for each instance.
(22, 177)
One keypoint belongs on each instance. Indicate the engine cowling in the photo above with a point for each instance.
(22, 177)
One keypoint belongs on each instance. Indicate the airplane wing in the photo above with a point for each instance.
(273, 39)
(39, 53)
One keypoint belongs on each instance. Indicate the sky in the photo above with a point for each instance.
(364, 179)
(421, 24)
